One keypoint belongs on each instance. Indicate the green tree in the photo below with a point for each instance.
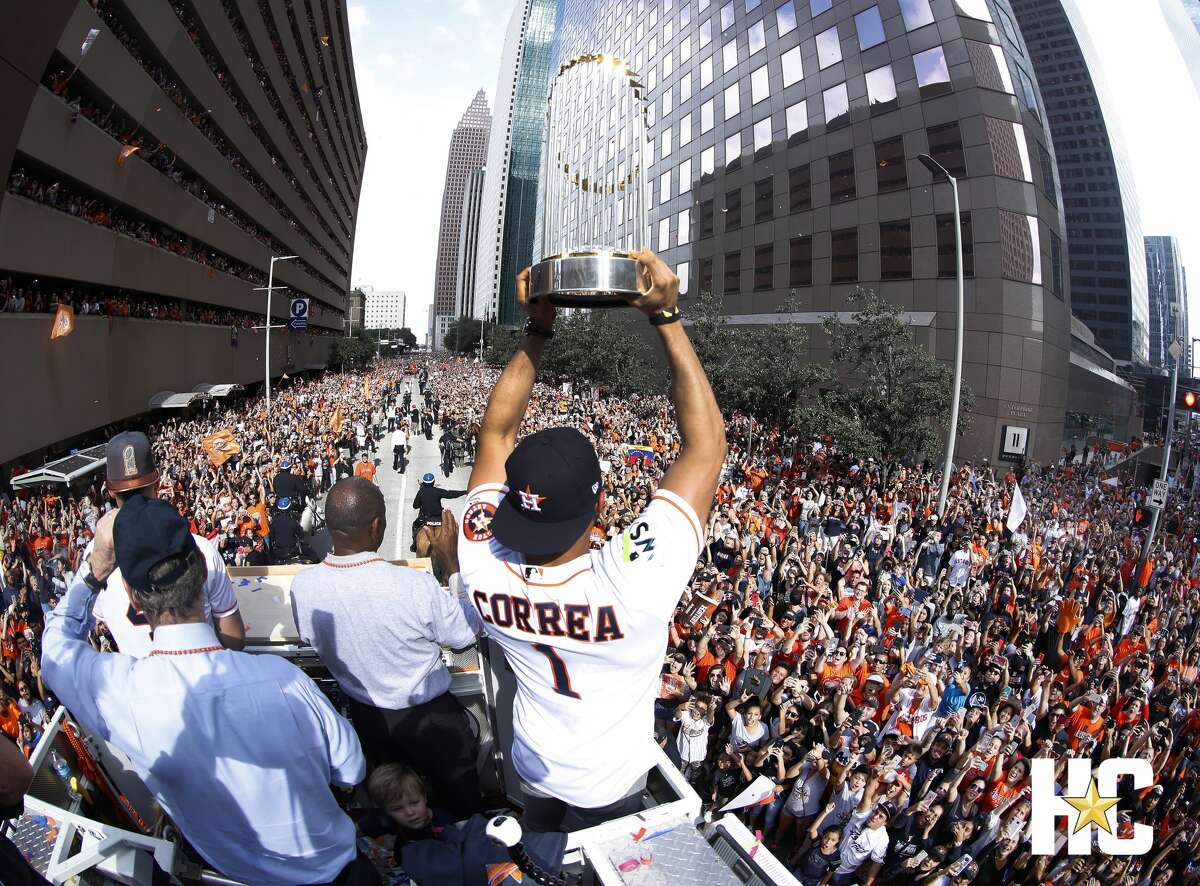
(886, 396)
(589, 348)
(463, 336)
(353, 352)
(407, 338)
(753, 369)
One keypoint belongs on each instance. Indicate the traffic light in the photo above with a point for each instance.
(1188, 398)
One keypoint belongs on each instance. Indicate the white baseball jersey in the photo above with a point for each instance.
(129, 627)
(586, 641)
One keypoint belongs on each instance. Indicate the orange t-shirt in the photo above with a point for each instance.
(9, 718)
(365, 469)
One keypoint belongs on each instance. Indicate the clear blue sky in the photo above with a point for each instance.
(419, 62)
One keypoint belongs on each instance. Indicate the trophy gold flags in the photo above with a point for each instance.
(595, 169)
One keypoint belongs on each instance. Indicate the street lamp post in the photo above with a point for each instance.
(937, 170)
(267, 346)
(1176, 352)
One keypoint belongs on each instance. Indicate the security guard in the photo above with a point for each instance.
(428, 505)
(287, 538)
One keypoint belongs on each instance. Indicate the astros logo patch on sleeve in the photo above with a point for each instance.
(477, 521)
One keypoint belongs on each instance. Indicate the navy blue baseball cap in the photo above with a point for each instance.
(148, 531)
(553, 480)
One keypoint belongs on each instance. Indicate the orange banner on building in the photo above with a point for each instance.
(64, 322)
(221, 446)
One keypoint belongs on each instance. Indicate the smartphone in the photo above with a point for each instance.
(961, 865)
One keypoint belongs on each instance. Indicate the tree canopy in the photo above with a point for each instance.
(884, 395)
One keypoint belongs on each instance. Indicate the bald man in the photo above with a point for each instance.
(380, 630)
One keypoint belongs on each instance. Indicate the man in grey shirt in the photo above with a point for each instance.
(379, 628)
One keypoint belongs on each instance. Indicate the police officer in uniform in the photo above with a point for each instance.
(287, 538)
(428, 505)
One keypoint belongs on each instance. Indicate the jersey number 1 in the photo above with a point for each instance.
(558, 667)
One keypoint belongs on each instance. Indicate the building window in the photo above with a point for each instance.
(1029, 93)
(947, 262)
(757, 36)
(917, 14)
(764, 199)
(797, 122)
(727, 16)
(881, 89)
(945, 146)
(974, 9)
(841, 177)
(706, 116)
(729, 56)
(681, 271)
(764, 267)
(685, 87)
(685, 176)
(1047, 174)
(664, 234)
(706, 275)
(752, 5)
(837, 106)
(666, 101)
(800, 254)
(733, 272)
(829, 48)
(785, 18)
(1020, 247)
(706, 219)
(991, 70)
(665, 141)
(891, 173)
(799, 188)
(664, 187)
(895, 250)
(733, 150)
(870, 28)
(733, 103)
(760, 85)
(933, 76)
(844, 251)
(705, 33)
(762, 137)
(819, 6)
(685, 129)
(706, 72)
(683, 233)
(733, 209)
(793, 67)
(1056, 265)
(708, 161)
(1010, 152)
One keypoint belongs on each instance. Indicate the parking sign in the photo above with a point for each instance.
(299, 318)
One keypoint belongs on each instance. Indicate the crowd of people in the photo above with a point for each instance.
(891, 672)
(200, 117)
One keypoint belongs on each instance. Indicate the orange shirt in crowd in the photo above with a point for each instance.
(9, 721)
(365, 469)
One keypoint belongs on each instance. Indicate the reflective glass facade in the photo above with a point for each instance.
(784, 138)
(1104, 230)
(1167, 285)
(509, 217)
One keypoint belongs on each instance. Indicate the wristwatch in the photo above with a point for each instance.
(666, 315)
(94, 584)
(532, 328)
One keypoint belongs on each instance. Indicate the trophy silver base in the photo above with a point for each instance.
(585, 278)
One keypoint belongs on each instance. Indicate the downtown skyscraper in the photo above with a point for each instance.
(468, 152)
(1167, 284)
(1104, 232)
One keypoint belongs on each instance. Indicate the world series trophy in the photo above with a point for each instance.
(595, 167)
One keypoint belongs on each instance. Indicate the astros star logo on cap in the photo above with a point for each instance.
(530, 500)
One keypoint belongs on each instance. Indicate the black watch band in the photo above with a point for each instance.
(532, 328)
(94, 584)
(667, 315)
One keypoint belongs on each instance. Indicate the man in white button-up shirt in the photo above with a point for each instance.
(238, 749)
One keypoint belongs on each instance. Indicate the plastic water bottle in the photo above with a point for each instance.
(60, 766)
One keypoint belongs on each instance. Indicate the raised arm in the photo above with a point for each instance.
(510, 398)
(694, 475)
